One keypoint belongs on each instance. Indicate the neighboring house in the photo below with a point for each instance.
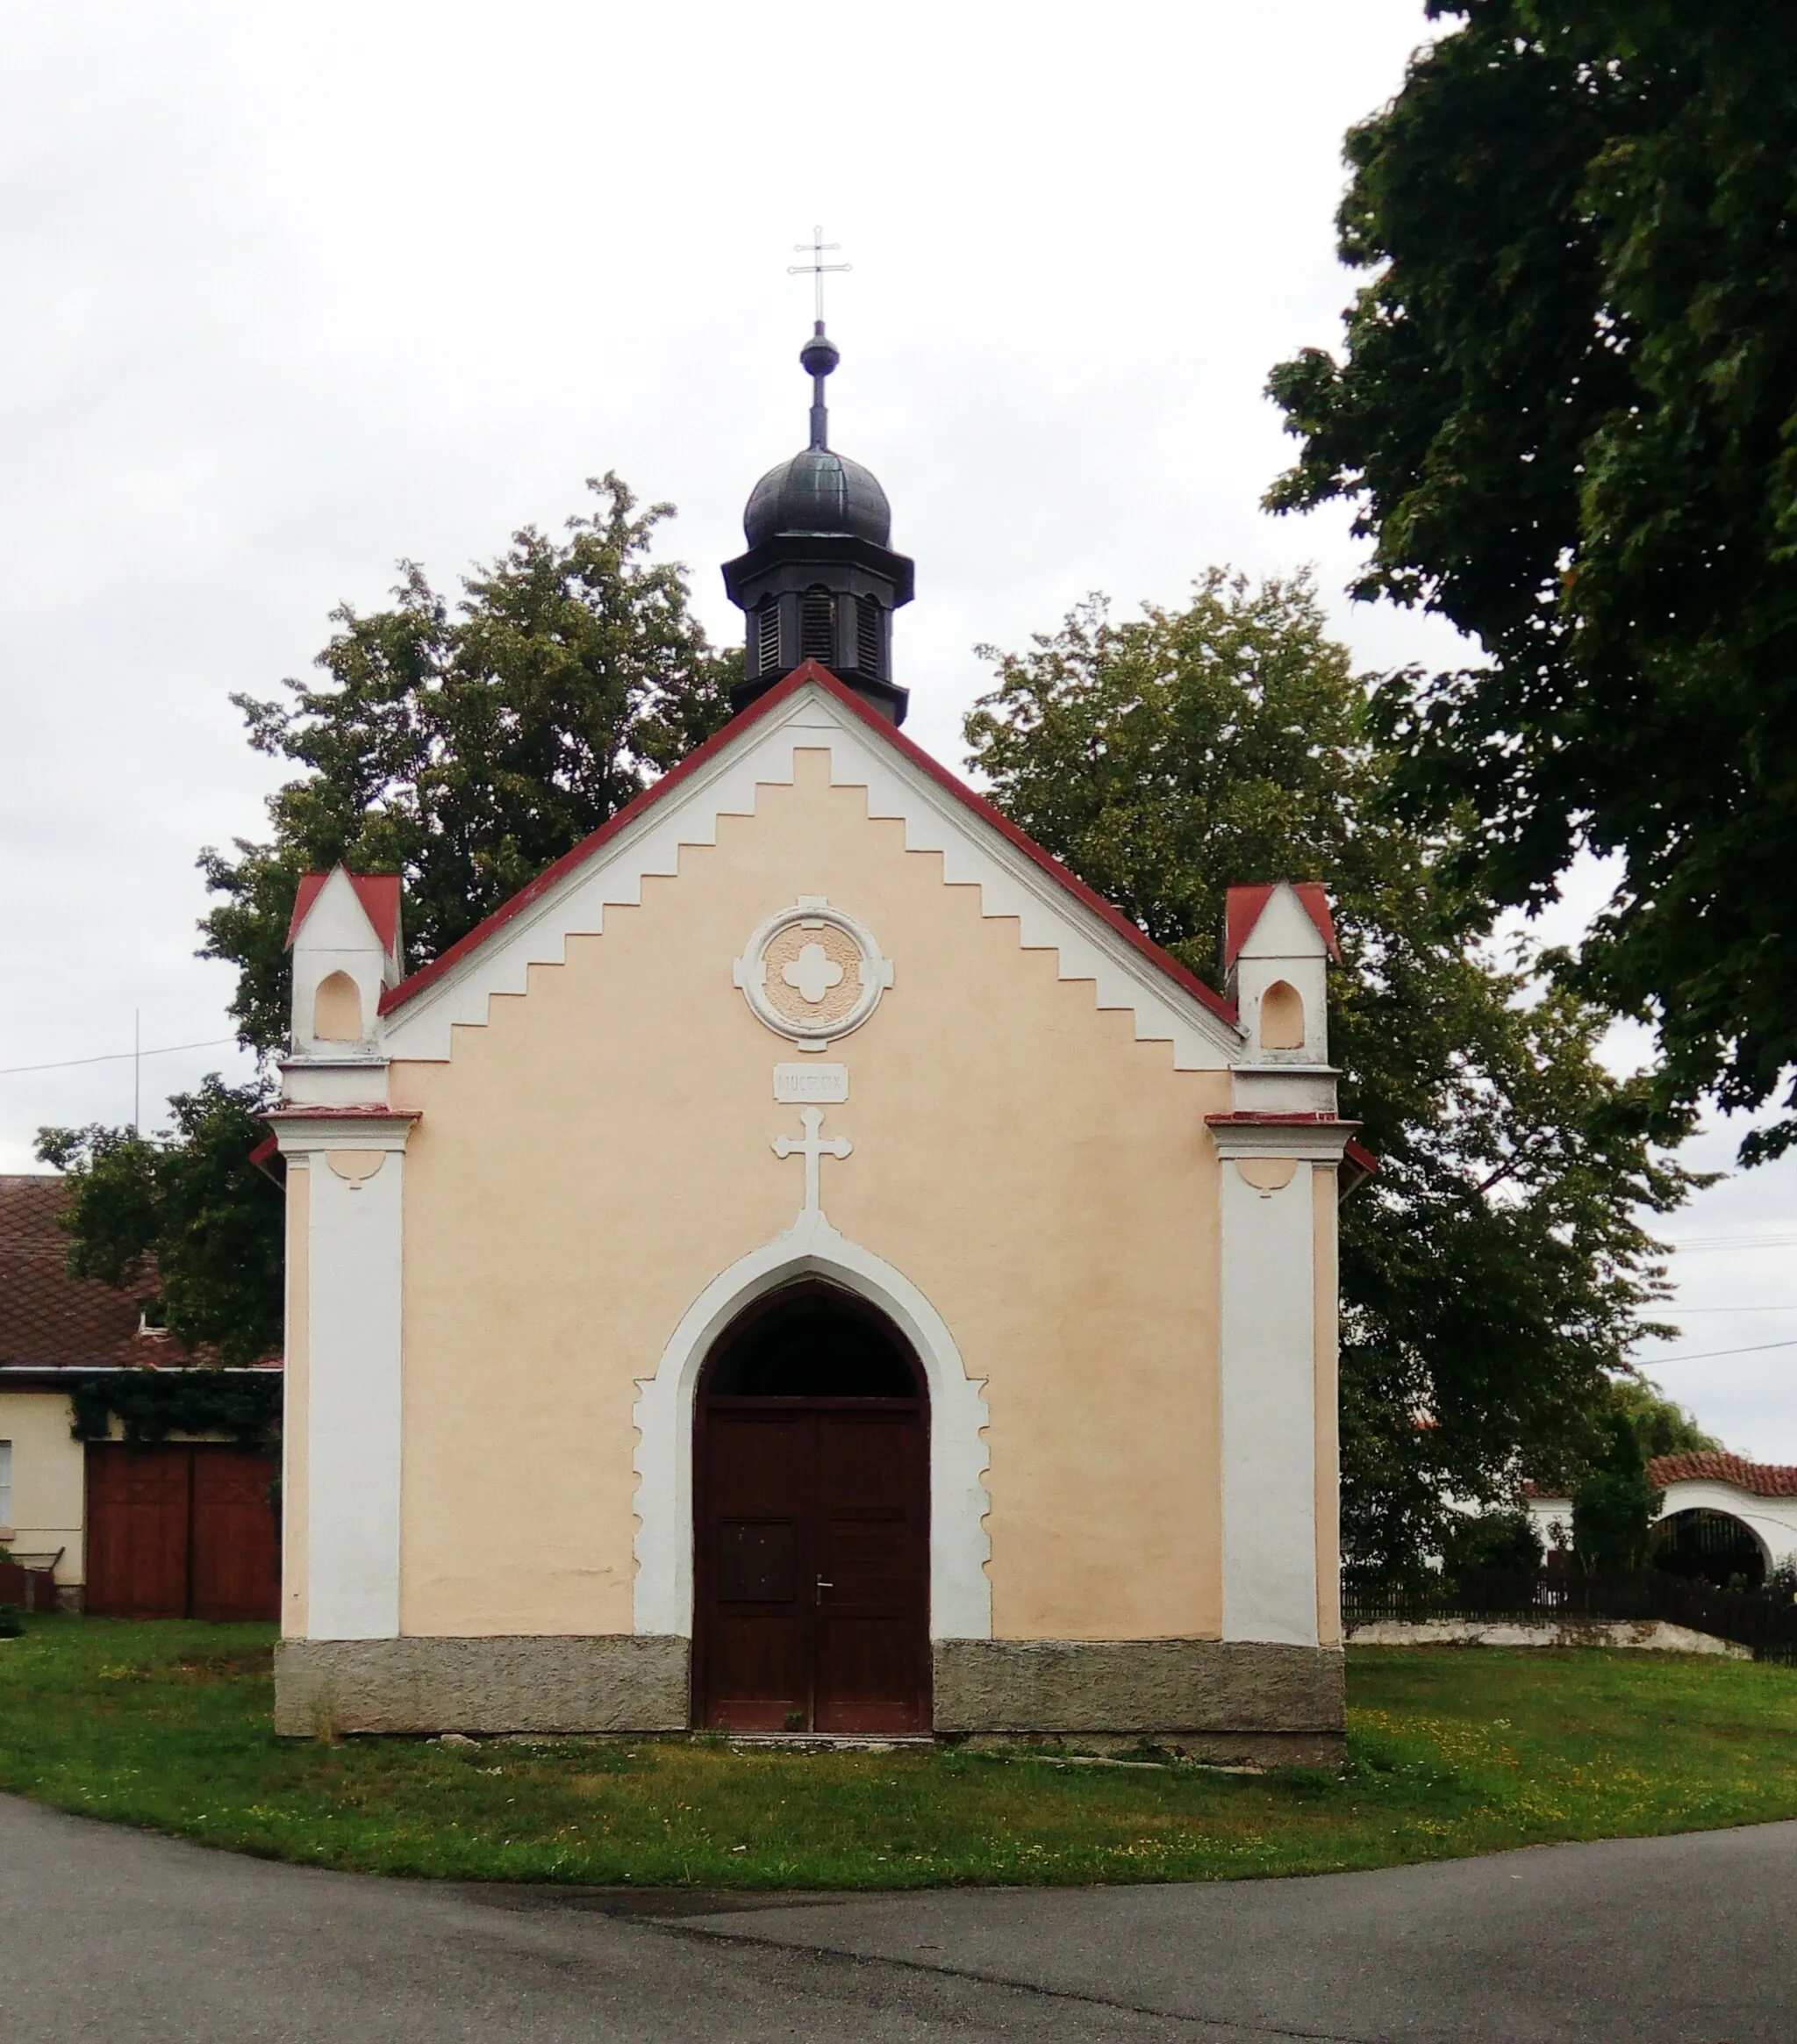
(1756, 1500)
(178, 1528)
(807, 1262)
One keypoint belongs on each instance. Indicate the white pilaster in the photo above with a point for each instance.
(1268, 1408)
(1269, 1388)
(353, 1406)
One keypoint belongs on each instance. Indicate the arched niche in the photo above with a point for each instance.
(337, 1010)
(1282, 1018)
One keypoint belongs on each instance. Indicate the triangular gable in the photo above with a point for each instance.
(810, 708)
(1247, 904)
(378, 893)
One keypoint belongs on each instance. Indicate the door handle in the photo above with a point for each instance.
(822, 1587)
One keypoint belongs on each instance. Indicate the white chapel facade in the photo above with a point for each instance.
(808, 1265)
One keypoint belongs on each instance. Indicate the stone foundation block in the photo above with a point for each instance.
(616, 1682)
(1239, 1702)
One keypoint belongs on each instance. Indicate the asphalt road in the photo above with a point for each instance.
(107, 1933)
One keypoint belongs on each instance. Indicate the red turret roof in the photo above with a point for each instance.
(1245, 906)
(378, 893)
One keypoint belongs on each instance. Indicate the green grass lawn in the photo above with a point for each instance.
(1451, 1752)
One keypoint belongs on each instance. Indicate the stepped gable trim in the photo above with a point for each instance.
(1244, 906)
(1163, 962)
(1758, 1478)
(378, 893)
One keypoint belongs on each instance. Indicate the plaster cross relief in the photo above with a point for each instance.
(813, 972)
(813, 1147)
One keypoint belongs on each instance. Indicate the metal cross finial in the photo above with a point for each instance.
(817, 268)
(812, 1146)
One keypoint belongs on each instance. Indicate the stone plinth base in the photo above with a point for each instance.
(1238, 1703)
(614, 1682)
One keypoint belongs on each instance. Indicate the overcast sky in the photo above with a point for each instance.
(292, 292)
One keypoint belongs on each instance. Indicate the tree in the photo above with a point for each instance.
(1494, 1270)
(1661, 1427)
(467, 752)
(1615, 1503)
(464, 751)
(186, 1219)
(1566, 415)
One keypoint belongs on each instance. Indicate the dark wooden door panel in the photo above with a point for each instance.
(868, 1677)
(754, 1567)
(812, 1542)
(872, 1636)
(138, 1504)
(236, 1557)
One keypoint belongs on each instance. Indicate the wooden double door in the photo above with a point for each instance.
(813, 1575)
(181, 1529)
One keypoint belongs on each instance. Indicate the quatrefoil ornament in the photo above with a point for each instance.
(812, 973)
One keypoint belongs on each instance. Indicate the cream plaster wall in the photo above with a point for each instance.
(49, 1479)
(592, 1157)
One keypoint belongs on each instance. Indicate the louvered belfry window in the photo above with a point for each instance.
(817, 627)
(866, 634)
(767, 636)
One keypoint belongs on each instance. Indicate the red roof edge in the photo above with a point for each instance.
(267, 1160)
(378, 893)
(764, 706)
(1279, 1118)
(326, 1111)
(1358, 1163)
(1244, 906)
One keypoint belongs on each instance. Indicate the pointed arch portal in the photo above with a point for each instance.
(958, 1591)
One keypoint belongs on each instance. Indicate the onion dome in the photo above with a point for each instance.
(818, 492)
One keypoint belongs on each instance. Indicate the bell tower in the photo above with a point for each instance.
(820, 581)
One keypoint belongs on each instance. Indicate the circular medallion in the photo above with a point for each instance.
(811, 973)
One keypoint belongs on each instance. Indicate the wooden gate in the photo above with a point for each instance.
(813, 1579)
(181, 1531)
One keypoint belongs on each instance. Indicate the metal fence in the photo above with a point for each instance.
(1765, 1620)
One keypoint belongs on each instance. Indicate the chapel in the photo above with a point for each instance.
(807, 1265)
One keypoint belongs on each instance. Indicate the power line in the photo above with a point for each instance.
(114, 1056)
(1704, 1355)
(1684, 1311)
(1736, 1242)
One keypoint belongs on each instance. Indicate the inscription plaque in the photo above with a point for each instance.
(799, 1083)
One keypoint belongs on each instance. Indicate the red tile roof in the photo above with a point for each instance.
(811, 671)
(1242, 906)
(378, 893)
(1707, 1465)
(1761, 1479)
(51, 1321)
